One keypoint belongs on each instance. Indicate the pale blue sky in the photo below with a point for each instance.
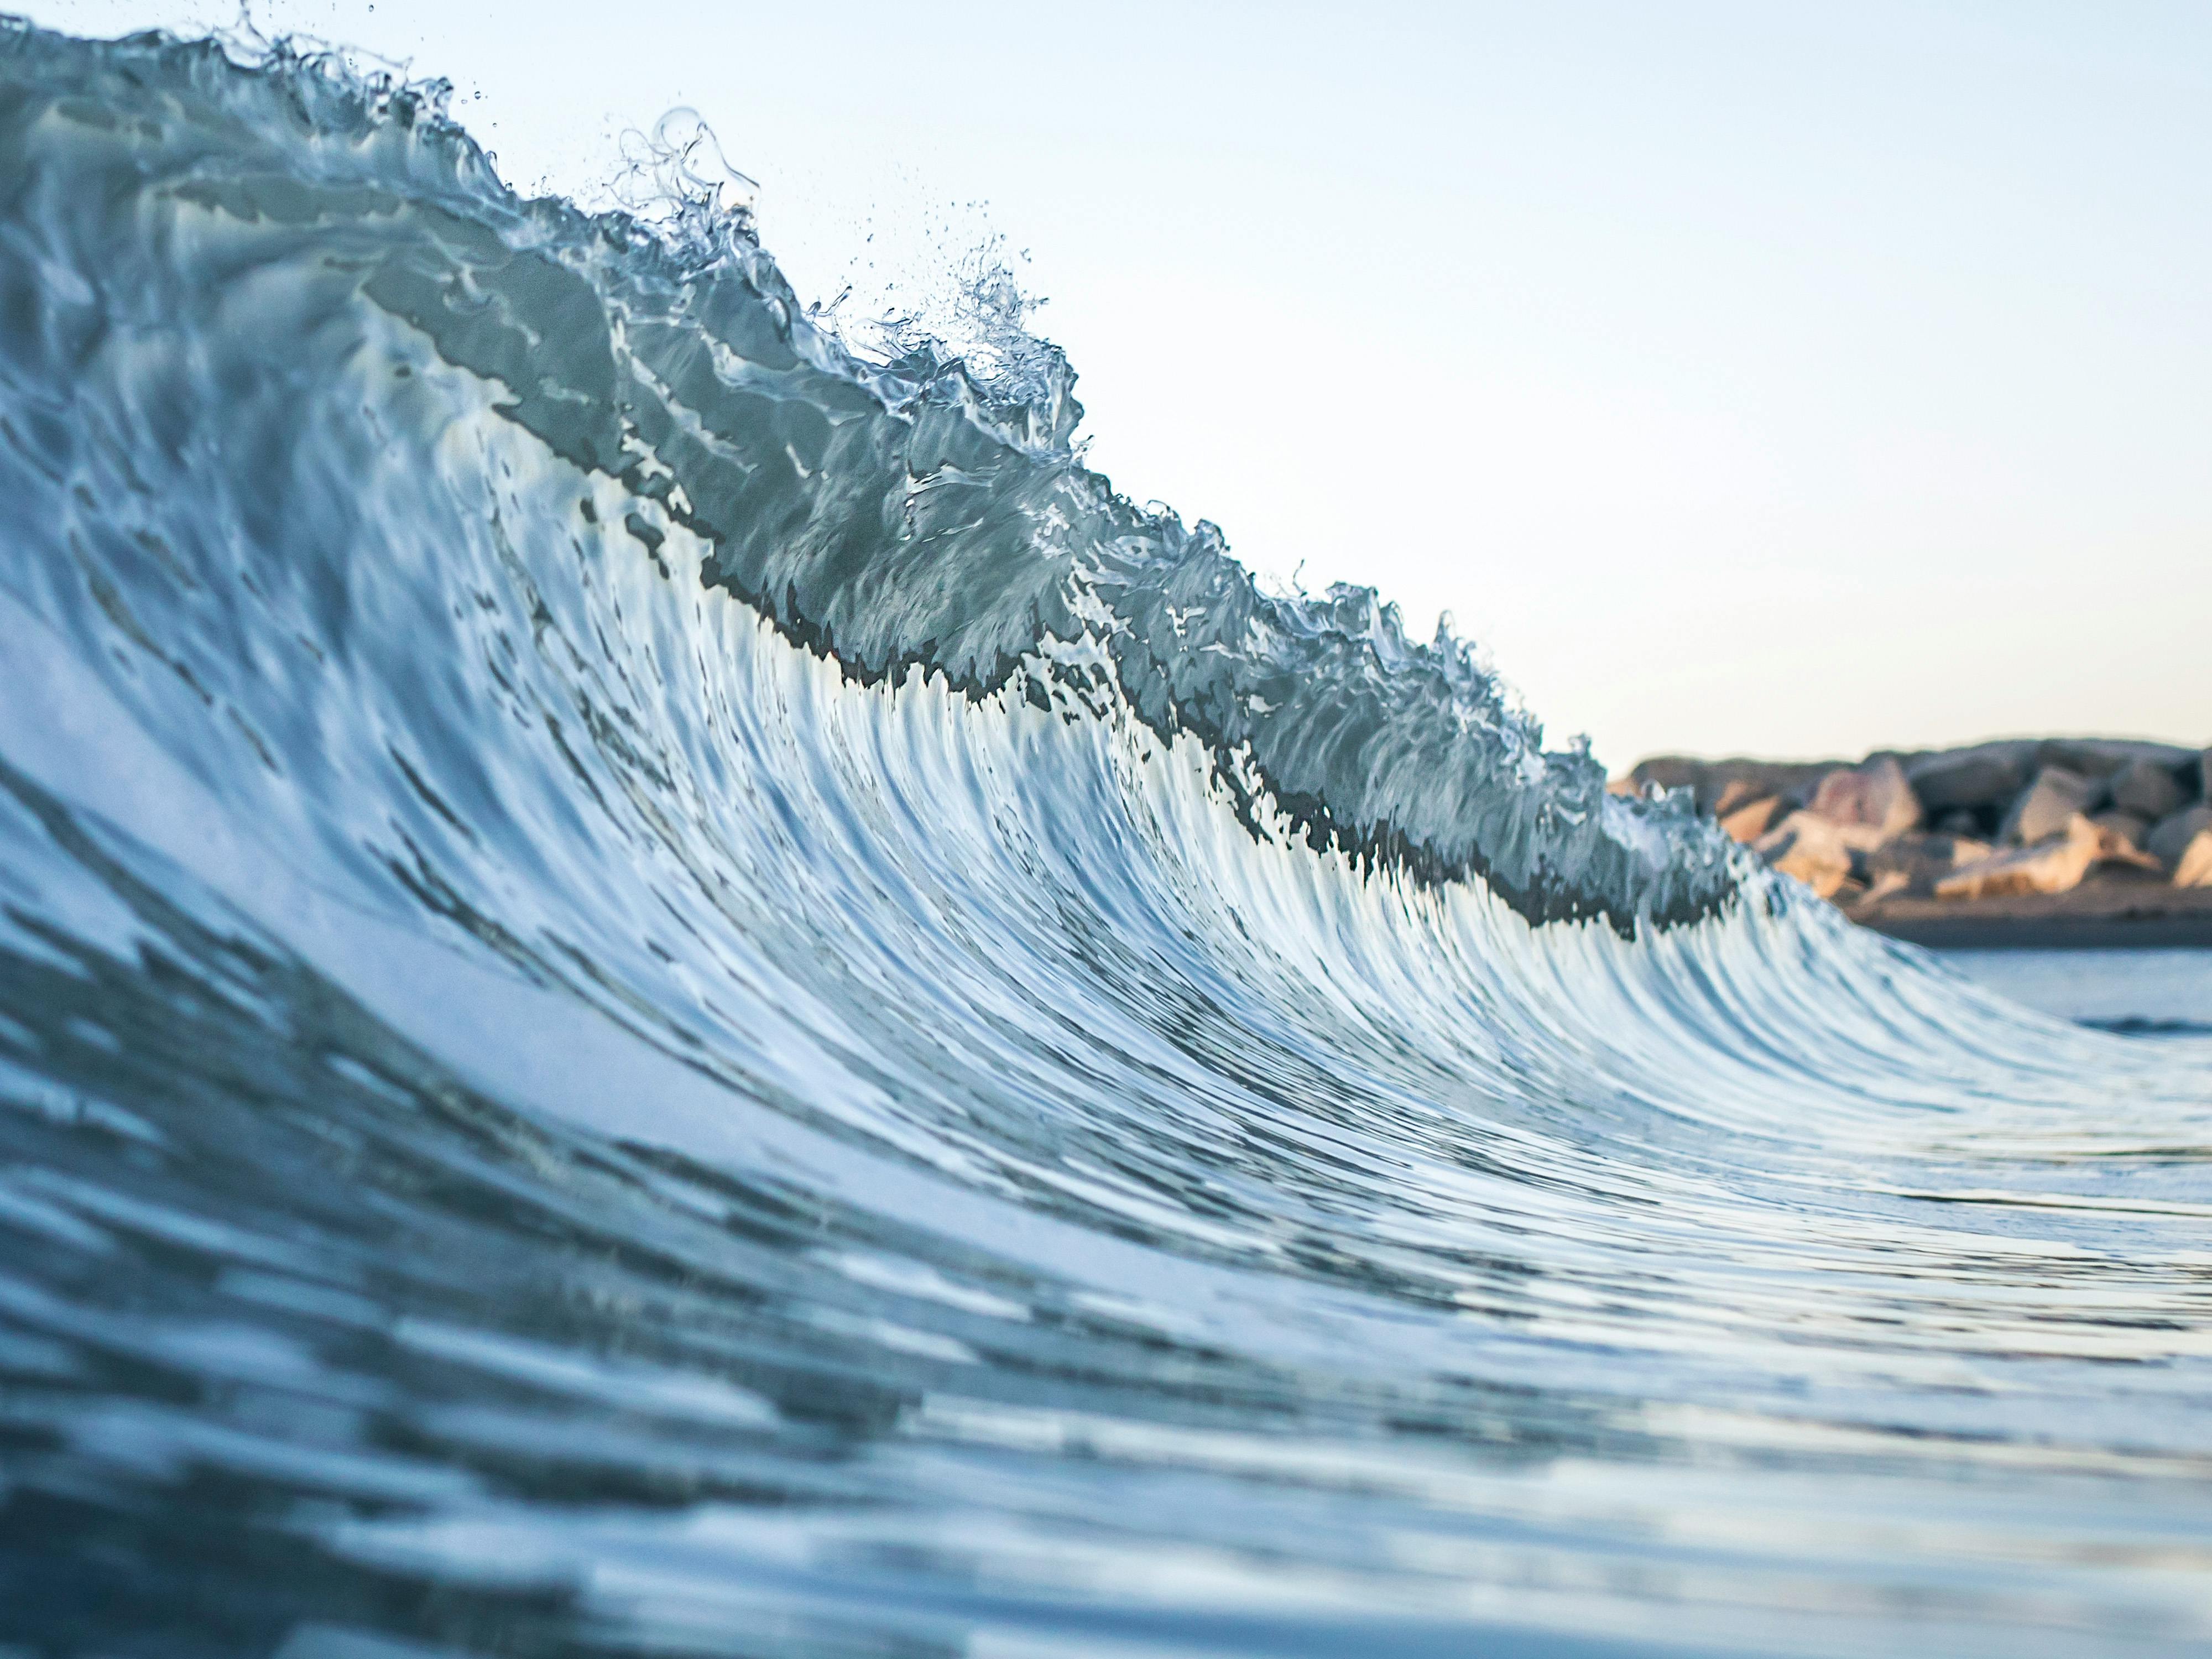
(1742, 376)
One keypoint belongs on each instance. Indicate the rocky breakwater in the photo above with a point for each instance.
(2058, 836)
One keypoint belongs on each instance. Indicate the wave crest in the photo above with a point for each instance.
(912, 511)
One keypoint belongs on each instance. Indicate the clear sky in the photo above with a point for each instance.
(1772, 378)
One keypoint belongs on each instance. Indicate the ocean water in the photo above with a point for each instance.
(666, 989)
(2148, 993)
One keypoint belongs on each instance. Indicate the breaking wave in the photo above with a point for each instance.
(665, 988)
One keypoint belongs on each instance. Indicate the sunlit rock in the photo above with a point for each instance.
(2052, 864)
(2130, 830)
(1747, 822)
(1914, 864)
(2172, 836)
(1874, 801)
(2046, 807)
(1811, 848)
(2194, 867)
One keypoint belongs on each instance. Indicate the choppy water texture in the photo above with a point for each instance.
(664, 992)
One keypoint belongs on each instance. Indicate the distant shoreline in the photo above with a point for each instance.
(2058, 843)
(2124, 910)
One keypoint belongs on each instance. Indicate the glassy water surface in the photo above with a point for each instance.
(2150, 991)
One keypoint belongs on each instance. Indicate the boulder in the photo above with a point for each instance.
(2194, 867)
(1810, 847)
(2113, 848)
(1747, 824)
(1749, 779)
(2101, 757)
(1742, 791)
(2171, 837)
(1915, 863)
(1875, 800)
(1794, 780)
(2054, 864)
(2047, 806)
(1887, 884)
(1988, 774)
(1721, 786)
(2125, 828)
(2147, 789)
(1669, 772)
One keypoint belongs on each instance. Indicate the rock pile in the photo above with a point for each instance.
(1995, 820)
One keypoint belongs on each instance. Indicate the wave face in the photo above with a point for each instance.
(664, 992)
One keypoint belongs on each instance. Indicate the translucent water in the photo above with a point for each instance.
(664, 992)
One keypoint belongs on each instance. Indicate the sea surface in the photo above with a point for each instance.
(667, 988)
(2147, 993)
